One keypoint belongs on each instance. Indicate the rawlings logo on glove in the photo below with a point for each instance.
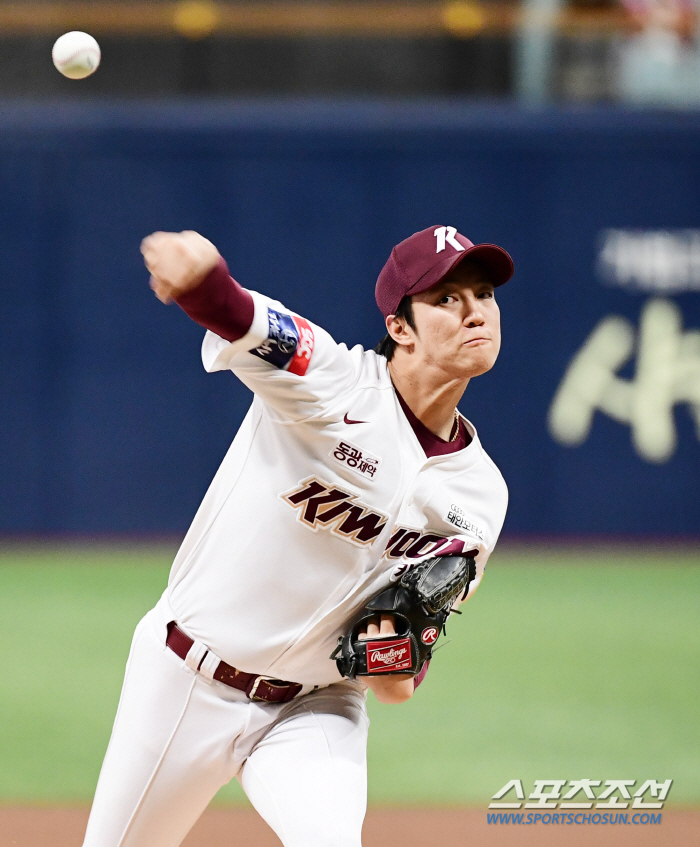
(388, 655)
(420, 603)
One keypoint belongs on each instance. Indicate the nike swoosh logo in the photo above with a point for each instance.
(347, 420)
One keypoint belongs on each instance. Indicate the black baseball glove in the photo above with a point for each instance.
(420, 603)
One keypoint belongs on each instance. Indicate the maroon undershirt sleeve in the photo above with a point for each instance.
(420, 676)
(220, 304)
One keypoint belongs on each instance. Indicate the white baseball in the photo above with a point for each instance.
(76, 55)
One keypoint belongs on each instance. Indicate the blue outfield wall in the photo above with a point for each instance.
(109, 423)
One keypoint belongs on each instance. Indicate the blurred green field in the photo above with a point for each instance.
(566, 664)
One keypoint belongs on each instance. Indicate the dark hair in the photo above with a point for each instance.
(387, 346)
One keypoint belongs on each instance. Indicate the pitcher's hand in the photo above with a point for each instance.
(396, 688)
(177, 262)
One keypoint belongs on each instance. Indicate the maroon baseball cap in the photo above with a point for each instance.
(423, 259)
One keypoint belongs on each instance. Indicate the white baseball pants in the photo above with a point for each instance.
(178, 738)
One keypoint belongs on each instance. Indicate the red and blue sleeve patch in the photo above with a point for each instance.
(289, 344)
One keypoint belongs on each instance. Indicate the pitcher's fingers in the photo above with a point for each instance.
(387, 625)
(147, 248)
(161, 290)
(371, 629)
(150, 240)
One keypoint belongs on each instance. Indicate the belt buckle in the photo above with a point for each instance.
(254, 687)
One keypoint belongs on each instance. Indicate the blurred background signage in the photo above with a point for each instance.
(666, 357)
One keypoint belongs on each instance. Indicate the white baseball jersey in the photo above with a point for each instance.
(323, 498)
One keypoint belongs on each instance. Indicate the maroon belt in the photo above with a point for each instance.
(255, 687)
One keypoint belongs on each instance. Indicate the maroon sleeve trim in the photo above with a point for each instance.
(420, 676)
(220, 304)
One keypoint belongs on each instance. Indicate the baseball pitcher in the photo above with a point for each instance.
(354, 510)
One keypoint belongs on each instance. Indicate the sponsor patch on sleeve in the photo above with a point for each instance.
(289, 344)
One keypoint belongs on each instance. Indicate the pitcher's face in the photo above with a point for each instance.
(458, 324)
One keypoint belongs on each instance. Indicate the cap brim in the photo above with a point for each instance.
(495, 261)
